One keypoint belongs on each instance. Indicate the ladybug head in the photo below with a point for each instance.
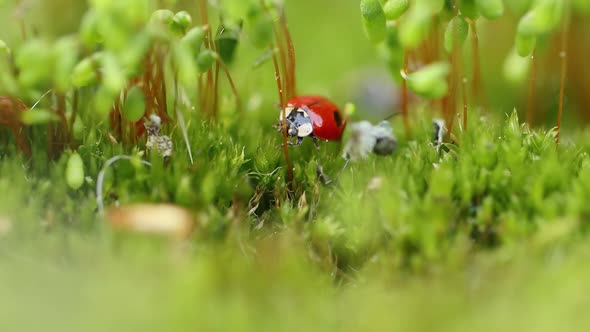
(298, 122)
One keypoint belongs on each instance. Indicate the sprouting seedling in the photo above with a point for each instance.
(101, 176)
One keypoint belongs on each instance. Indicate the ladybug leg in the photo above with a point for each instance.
(298, 142)
(316, 143)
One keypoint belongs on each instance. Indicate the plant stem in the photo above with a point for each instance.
(563, 57)
(291, 81)
(405, 96)
(530, 115)
(464, 81)
(231, 83)
(284, 123)
(180, 118)
(476, 80)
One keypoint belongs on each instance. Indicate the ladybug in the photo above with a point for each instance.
(312, 116)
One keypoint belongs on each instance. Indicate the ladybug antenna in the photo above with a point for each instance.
(392, 115)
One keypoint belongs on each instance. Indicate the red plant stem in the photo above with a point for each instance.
(405, 96)
(530, 114)
(435, 39)
(452, 95)
(74, 113)
(563, 57)
(231, 84)
(201, 92)
(476, 80)
(283, 63)
(464, 103)
(292, 84)
(284, 124)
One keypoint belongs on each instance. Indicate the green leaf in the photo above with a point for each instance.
(490, 9)
(78, 129)
(194, 39)
(374, 20)
(181, 22)
(103, 101)
(113, 77)
(469, 9)
(430, 81)
(4, 47)
(516, 68)
(134, 107)
(162, 16)
(35, 63)
(205, 60)
(431, 7)
(66, 55)
(394, 9)
(75, 171)
(414, 27)
(525, 44)
(543, 18)
(239, 9)
(84, 73)
(519, 7)
(89, 34)
(456, 32)
(227, 43)
(259, 29)
(38, 116)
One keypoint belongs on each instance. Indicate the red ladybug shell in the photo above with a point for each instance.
(326, 119)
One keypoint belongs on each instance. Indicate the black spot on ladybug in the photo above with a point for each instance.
(337, 118)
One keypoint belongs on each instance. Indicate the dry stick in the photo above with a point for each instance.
(231, 83)
(405, 96)
(563, 56)
(476, 80)
(284, 123)
(530, 114)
